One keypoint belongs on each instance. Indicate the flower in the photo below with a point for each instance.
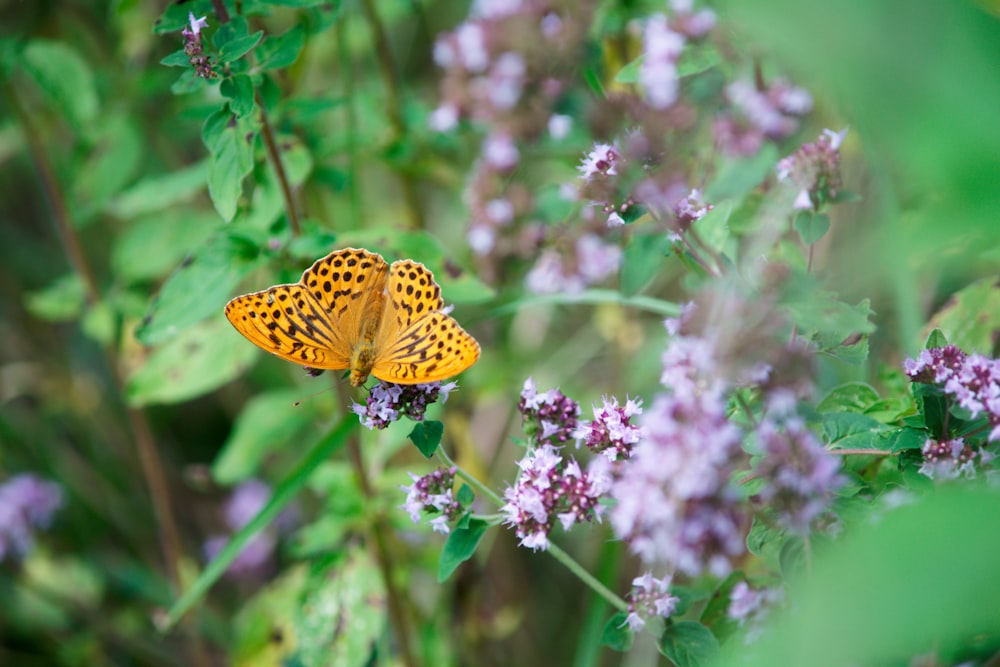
(592, 262)
(751, 607)
(195, 26)
(649, 597)
(387, 402)
(971, 380)
(815, 169)
(549, 417)
(612, 432)
(550, 487)
(27, 503)
(432, 494)
(658, 72)
(800, 476)
(599, 162)
(194, 49)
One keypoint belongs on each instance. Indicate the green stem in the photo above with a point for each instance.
(553, 550)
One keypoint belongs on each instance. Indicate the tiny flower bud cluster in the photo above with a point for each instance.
(649, 597)
(814, 169)
(27, 503)
(751, 607)
(387, 402)
(432, 494)
(612, 432)
(550, 487)
(550, 418)
(951, 459)
(690, 209)
(800, 476)
(760, 114)
(592, 262)
(194, 50)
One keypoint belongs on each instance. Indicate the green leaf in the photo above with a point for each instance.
(152, 246)
(239, 47)
(736, 178)
(697, 58)
(281, 51)
(764, 541)
(902, 439)
(689, 644)
(61, 301)
(811, 226)
(590, 297)
(849, 430)
(878, 562)
(199, 288)
(192, 363)
(65, 78)
(714, 226)
(849, 397)
(156, 193)
(268, 423)
(239, 90)
(792, 557)
(616, 634)
(296, 3)
(460, 546)
(426, 435)
(283, 494)
(936, 339)
(465, 496)
(630, 72)
(177, 59)
(971, 318)
(644, 257)
(230, 140)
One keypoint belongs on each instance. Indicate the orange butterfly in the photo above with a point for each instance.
(351, 310)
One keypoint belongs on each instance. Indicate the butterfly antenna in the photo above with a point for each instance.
(313, 395)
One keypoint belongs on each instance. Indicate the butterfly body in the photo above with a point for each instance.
(352, 311)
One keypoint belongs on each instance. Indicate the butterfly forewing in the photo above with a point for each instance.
(417, 342)
(287, 321)
(348, 285)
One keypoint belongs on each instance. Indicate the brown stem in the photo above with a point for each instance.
(383, 54)
(274, 157)
(221, 12)
(397, 611)
(149, 458)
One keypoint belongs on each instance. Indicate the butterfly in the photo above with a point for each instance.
(351, 310)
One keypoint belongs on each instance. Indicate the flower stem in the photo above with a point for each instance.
(472, 481)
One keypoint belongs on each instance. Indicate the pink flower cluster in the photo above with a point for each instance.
(550, 417)
(550, 487)
(758, 114)
(387, 402)
(432, 494)
(612, 432)
(814, 169)
(194, 49)
(27, 503)
(649, 597)
(592, 261)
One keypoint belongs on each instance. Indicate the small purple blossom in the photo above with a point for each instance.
(432, 494)
(548, 488)
(600, 162)
(800, 476)
(759, 114)
(951, 459)
(649, 597)
(662, 47)
(27, 503)
(751, 607)
(387, 402)
(500, 152)
(692, 24)
(612, 433)
(815, 169)
(549, 417)
(973, 381)
(244, 503)
(593, 261)
(194, 49)
(690, 209)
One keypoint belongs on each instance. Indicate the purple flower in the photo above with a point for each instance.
(387, 402)
(592, 262)
(800, 476)
(257, 556)
(600, 162)
(194, 49)
(500, 152)
(973, 381)
(612, 432)
(759, 114)
(658, 72)
(951, 459)
(432, 494)
(549, 417)
(690, 209)
(27, 503)
(548, 488)
(649, 597)
(815, 169)
(751, 607)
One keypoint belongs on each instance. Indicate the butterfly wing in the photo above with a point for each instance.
(417, 342)
(315, 322)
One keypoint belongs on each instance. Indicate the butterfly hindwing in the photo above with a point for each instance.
(286, 321)
(417, 342)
